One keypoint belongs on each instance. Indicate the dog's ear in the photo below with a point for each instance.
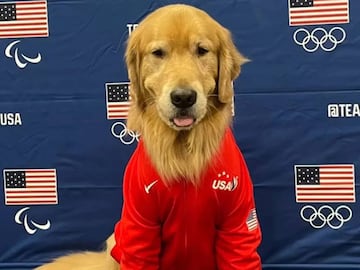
(133, 61)
(230, 61)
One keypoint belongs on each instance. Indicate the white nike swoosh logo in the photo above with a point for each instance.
(147, 188)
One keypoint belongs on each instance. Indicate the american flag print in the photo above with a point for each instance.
(117, 100)
(30, 186)
(314, 12)
(23, 19)
(251, 221)
(325, 183)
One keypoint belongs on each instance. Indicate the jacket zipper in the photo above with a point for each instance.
(185, 204)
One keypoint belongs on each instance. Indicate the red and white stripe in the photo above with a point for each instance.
(41, 188)
(322, 12)
(31, 20)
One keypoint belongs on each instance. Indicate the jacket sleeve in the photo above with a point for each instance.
(137, 234)
(239, 235)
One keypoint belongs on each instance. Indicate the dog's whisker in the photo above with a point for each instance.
(149, 100)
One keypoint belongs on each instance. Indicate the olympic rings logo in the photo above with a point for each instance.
(319, 37)
(326, 215)
(125, 135)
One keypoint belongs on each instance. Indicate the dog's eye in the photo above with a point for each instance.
(201, 51)
(158, 53)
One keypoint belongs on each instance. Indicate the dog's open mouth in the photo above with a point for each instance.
(183, 121)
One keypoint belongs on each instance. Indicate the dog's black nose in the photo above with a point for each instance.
(183, 98)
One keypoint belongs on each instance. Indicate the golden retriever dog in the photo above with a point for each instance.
(195, 209)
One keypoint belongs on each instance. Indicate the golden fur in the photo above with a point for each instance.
(85, 260)
(179, 31)
(177, 47)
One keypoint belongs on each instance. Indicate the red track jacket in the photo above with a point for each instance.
(209, 227)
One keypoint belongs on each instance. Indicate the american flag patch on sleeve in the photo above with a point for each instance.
(251, 221)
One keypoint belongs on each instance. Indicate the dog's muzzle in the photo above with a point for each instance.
(183, 100)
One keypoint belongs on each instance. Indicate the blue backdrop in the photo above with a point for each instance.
(63, 151)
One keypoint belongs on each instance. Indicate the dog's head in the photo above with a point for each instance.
(181, 63)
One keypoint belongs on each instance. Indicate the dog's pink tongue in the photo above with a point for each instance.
(183, 122)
